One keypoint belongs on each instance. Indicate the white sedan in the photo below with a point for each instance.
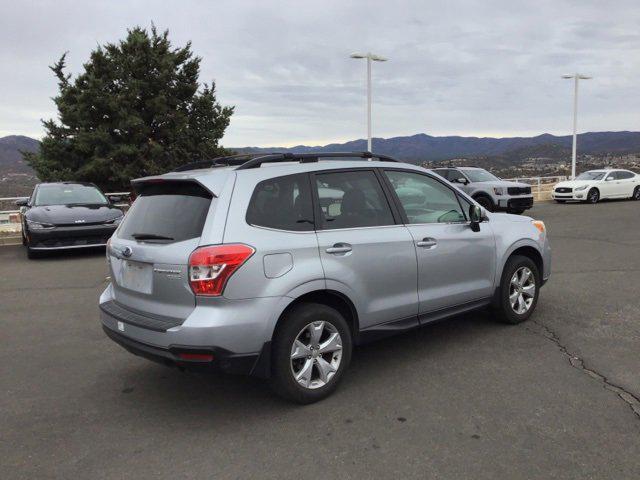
(595, 185)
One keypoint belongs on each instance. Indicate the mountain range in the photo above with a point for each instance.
(10, 156)
(414, 148)
(423, 147)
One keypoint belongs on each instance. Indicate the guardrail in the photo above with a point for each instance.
(540, 182)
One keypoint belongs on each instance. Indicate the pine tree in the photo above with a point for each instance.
(137, 109)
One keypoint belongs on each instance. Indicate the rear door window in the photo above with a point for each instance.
(352, 199)
(282, 203)
(170, 211)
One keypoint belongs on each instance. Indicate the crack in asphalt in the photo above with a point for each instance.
(578, 363)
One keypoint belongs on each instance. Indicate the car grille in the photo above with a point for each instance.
(519, 190)
(564, 190)
(55, 242)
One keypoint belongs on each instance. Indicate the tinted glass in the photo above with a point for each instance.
(454, 175)
(69, 194)
(424, 199)
(283, 203)
(352, 199)
(466, 204)
(622, 175)
(443, 172)
(170, 211)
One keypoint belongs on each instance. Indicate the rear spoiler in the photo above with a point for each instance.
(160, 185)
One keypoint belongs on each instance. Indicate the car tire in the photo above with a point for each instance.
(518, 275)
(636, 194)
(295, 335)
(593, 196)
(485, 201)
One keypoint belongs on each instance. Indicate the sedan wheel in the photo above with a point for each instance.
(593, 196)
(636, 194)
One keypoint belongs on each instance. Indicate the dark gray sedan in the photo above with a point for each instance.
(67, 215)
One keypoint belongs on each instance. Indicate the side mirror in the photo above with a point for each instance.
(608, 179)
(475, 215)
(115, 198)
(461, 180)
(23, 202)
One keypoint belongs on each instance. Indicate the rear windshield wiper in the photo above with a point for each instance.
(150, 236)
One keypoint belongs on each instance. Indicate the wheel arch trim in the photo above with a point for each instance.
(524, 245)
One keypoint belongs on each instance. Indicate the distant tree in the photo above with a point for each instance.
(137, 109)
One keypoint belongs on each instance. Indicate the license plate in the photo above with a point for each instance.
(136, 276)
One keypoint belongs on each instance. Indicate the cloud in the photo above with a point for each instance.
(457, 67)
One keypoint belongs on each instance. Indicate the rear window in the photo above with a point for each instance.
(283, 203)
(622, 175)
(167, 212)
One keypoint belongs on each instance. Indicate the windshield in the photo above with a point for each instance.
(590, 176)
(69, 194)
(480, 175)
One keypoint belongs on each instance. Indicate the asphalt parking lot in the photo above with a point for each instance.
(556, 397)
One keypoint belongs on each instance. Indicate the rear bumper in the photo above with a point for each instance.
(237, 332)
(223, 360)
(61, 238)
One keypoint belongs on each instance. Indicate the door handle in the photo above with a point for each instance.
(339, 248)
(427, 242)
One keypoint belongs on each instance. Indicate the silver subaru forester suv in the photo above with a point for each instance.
(280, 265)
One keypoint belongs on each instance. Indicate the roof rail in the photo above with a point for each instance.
(310, 158)
(224, 161)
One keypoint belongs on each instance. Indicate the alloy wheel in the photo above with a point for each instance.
(316, 354)
(522, 290)
(594, 196)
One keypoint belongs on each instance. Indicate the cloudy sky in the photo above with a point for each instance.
(482, 68)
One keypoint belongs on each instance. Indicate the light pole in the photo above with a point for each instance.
(370, 58)
(576, 77)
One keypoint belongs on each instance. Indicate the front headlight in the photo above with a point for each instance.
(498, 190)
(39, 225)
(539, 224)
(579, 189)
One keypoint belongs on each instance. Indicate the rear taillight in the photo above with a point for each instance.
(211, 267)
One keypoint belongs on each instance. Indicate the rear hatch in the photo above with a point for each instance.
(149, 253)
